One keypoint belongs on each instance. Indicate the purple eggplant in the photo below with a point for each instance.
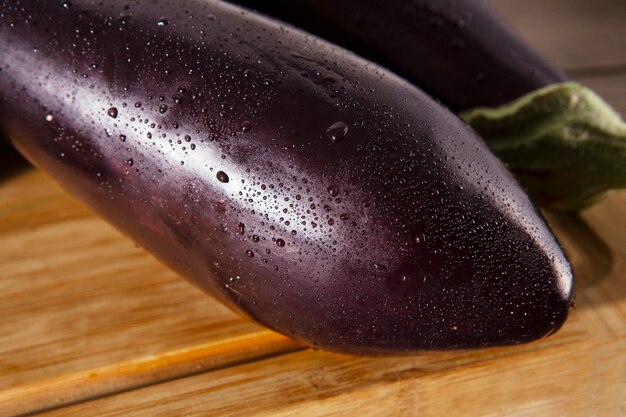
(302, 186)
(460, 51)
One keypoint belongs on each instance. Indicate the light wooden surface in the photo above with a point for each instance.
(81, 307)
(85, 314)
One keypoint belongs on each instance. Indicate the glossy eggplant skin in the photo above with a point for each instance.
(462, 52)
(302, 186)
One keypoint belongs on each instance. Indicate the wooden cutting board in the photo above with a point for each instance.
(92, 325)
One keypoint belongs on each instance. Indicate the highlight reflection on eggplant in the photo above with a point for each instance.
(297, 183)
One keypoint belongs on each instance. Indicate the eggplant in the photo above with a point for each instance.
(564, 143)
(460, 51)
(302, 186)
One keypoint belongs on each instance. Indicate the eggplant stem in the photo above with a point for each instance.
(564, 143)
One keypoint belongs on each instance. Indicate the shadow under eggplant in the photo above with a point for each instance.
(11, 162)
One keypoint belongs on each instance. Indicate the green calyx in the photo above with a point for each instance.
(564, 143)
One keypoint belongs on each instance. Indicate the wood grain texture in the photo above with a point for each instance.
(84, 313)
(119, 376)
(82, 307)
